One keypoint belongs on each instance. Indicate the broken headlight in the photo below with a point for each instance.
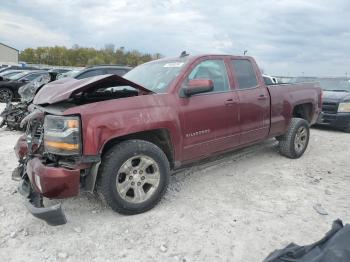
(62, 135)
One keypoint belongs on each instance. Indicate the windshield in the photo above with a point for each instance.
(157, 75)
(10, 73)
(335, 84)
(17, 76)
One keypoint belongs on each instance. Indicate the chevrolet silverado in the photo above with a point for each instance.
(122, 136)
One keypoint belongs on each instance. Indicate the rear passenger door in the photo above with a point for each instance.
(254, 101)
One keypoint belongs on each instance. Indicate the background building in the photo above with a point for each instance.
(8, 54)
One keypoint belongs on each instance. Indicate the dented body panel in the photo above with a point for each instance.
(198, 126)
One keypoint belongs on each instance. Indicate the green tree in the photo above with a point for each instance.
(83, 56)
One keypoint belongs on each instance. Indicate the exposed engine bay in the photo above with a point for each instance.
(103, 94)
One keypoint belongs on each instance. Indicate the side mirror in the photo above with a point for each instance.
(24, 80)
(197, 86)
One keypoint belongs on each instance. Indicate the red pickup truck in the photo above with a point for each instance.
(122, 136)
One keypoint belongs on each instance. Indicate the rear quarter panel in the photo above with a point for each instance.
(285, 97)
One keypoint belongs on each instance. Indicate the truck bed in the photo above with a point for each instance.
(284, 97)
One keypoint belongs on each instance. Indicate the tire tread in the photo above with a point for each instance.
(286, 142)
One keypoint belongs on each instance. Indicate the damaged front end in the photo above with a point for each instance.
(51, 159)
(28, 150)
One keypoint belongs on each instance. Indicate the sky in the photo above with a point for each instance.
(286, 37)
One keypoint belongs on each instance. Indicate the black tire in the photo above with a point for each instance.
(287, 146)
(111, 164)
(6, 95)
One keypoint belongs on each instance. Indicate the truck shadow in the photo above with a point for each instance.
(88, 203)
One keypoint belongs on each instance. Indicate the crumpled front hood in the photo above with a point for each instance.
(66, 88)
(336, 96)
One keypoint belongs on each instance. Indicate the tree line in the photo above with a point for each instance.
(83, 56)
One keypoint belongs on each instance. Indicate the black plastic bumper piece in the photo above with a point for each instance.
(53, 215)
(339, 120)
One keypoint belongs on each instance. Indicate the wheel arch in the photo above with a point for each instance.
(304, 111)
(160, 137)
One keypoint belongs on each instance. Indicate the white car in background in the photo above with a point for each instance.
(270, 80)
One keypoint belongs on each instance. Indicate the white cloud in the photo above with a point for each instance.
(285, 36)
(18, 31)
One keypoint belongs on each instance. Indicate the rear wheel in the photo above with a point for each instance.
(133, 176)
(6, 95)
(294, 143)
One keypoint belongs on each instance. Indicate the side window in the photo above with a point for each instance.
(90, 73)
(115, 71)
(32, 77)
(214, 70)
(244, 73)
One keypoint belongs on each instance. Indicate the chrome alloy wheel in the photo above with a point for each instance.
(137, 179)
(301, 139)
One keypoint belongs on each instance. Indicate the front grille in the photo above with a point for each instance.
(330, 107)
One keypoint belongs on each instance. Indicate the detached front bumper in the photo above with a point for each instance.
(53, 182)
(338, 120)
(52, 215)
(38, 180)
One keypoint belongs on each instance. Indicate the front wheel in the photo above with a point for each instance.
(6, 95)
(133, 176)
(294, 143)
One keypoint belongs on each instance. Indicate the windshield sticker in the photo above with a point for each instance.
(175, 64)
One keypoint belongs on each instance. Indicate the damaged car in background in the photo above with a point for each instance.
(14, 113)
(122, 136)
(9, 86)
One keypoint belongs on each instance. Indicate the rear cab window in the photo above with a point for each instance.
(244, 73)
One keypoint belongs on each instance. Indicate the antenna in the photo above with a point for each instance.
(245, 52)
(183, 54)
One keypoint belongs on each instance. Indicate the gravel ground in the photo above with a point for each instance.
(238, 207)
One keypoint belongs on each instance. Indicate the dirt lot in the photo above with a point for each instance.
(238, 207)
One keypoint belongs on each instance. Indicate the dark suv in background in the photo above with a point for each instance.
(336, 103)
(9, 87)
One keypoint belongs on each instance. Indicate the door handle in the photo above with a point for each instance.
(229, 102)
(262, 97)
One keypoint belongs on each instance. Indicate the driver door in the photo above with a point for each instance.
(209, 119)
